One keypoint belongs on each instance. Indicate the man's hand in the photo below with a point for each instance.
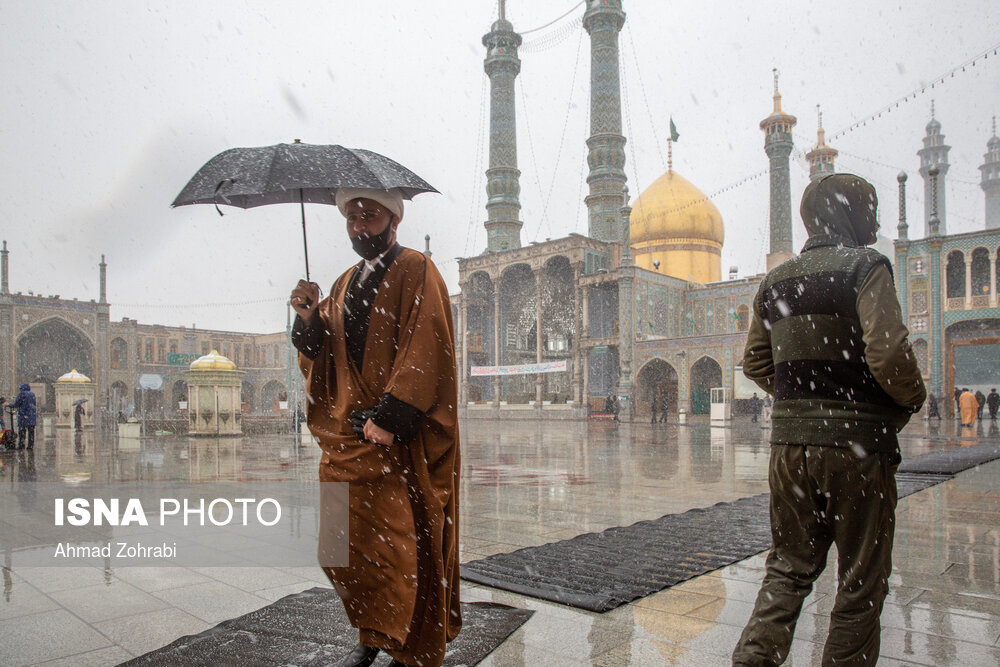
(305, 300)
(378, 435)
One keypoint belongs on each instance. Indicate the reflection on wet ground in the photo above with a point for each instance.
(526, 484)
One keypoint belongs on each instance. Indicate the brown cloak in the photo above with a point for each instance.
(401, 588)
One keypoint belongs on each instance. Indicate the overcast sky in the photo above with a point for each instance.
(110, 107)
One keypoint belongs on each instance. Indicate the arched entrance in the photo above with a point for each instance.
(48, 350)
(653, 381)
(247, 394)
(479, 313)
(119, 398)
(271, 394)
(705, 374)
(972, 348)
(180, 393)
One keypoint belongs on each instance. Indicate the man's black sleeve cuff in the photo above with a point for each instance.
(399, 418)
(308, 337)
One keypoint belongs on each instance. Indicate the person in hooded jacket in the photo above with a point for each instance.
(828, 341)
(25, 406)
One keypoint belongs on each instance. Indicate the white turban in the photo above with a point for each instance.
(391, 199)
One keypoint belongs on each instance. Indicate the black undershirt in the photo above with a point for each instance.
(393, 415)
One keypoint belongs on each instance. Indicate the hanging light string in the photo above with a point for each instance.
(187, 306)
(555, 20)
(642, 87)
(523, 97)
(912, 95)
(553, 39)
(951, 179)
(477, 172)
(562, 139)
(582, 206)
(627, 108)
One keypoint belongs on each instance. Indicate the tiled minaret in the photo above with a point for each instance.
(821, 157)
(603, 20)
(4, 286)
(934, 153)
(503, 206)
(778, 146)
(991, 179)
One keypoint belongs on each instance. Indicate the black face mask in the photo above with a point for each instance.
(371, 246)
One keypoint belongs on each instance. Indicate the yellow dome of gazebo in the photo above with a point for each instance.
(675, 224)
(213, 361)
(74, 377)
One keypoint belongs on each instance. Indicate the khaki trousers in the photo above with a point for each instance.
(819, 496)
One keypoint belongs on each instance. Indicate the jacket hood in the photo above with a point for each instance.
(25, 387)
(841, 207)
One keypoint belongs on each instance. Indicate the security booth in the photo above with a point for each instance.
(214, 396)
(722, 404)
(74, 389)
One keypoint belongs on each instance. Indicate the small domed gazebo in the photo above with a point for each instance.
(214, 396)
(69, 389)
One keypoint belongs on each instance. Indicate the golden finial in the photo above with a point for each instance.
(777, 95)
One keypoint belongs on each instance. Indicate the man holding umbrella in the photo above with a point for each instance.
(379, 360)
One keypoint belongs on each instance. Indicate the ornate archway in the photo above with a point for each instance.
(271, 394)
(706, 373)
(655, 379)
(49, 349)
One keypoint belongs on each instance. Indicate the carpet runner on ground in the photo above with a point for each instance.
(602, 571)
(310, 629)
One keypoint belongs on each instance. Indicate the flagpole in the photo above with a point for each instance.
(670, 154)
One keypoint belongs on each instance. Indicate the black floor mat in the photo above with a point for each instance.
(951, 461)
(601, 571)
(311, 629)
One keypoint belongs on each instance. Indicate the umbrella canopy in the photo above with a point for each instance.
(79, 401)
(290, 173)
(295, 173)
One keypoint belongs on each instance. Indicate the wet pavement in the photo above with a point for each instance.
(526, 484)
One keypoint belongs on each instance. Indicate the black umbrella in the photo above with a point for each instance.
(79, 401)
(295, 173)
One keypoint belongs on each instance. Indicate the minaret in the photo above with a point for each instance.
(934, 224)
(902, 229)
(990, 183)
(104, 281)
(603, 20)
(935, 153)
(778, 146)
(821, 157)
(4, 285)
(503, 229)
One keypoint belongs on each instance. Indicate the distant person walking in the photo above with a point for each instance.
(755, 404)
(958, 404)
(968, 407)
(993, 401)
(664, 405)
(981, 401)
(652, 408)
(78, 417)
(25, 405)
(832, 468)
(932, 407)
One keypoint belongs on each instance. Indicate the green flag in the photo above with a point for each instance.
(674, 136)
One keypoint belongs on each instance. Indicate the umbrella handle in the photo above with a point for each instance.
(305, 245)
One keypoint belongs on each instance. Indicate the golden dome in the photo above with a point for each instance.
(676, 230)
(74, 377)
(213, 361)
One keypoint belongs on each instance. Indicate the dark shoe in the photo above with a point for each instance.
(361, 656)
